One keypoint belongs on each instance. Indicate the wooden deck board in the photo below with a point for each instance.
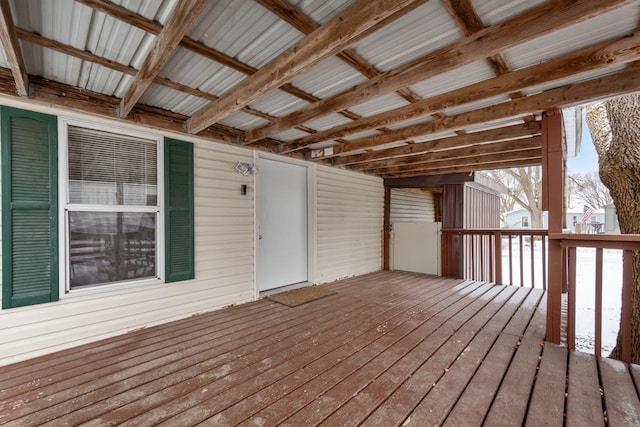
(620, 396)
(584, 404)
(547, 401)
(390, 348)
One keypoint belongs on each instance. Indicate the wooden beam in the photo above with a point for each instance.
(600, 56)
(439, 170)
(289, 13)
(334, 36)
(139, 21)
(491, 135)
(477, 150)
(125, 69)
(11, 48)
(580, 93)
(534, 22)
(184, 14)
(431, 181)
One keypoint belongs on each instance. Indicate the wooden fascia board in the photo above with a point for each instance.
(464, 169)
(535, 22)
(12, 51)
(602, 55)
(476, 150)
(492, 135)
(184, 14)
(431, 181)
(337, 34)
(579, 93)
(463, 166)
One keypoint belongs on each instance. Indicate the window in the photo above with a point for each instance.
(112, 208)
(525, 221)
(87, 207)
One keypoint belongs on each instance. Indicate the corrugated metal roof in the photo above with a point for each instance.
(380, 105)
(573, 79)
(243, 121)
(328, 78)
(278, 103)
(494, 11)
(290, 135)
(328, 121)
(619, 22)
(455, 79)
(321, 10)
(475, 105)
(244, 30)
(424, 30)
(372, 132)
(159, 96)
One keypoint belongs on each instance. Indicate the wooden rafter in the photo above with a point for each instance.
(285, 11)
(183, 15)
(334, 36)
(11, 48)
(465, 168)
(600, 56)
(535, 22)
(476, 150)
(407, 151)
(579, 93)
(477, 160)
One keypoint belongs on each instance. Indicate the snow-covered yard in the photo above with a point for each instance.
(585, 289)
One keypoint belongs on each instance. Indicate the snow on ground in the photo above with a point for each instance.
(585, 289)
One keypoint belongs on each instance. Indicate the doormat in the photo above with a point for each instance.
(301, 296)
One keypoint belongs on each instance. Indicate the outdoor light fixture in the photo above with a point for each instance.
(245, 169)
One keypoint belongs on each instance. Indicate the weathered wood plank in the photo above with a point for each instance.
(510, 404)
(620, 396)
(337, 34)
(323, 370)
(12, 50)
(584, 404)
(174, 393)
(547, 402)
(538, 325)
(534, 22)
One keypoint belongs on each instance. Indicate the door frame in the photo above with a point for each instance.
(312, 216)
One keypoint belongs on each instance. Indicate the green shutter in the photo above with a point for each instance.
(29, 208)
(178, 200)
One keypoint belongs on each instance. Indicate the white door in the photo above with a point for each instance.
(281, 197)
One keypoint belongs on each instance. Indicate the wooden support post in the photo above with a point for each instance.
(553, 153)
(386, 232)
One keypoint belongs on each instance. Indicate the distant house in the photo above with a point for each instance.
(520, 218)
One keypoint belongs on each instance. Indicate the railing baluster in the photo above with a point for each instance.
(521, 261)
(533, 276)
(598, 320)
(471, 262)
(481, 258)
(625, 315)
(490, 265)
(544, 263)
(510, 259)
(571, 321)
(498, 265)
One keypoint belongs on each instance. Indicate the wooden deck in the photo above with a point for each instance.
(387, 349)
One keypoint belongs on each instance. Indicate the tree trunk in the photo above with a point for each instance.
(615, 128)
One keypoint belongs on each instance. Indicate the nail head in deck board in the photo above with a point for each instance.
(584, 404)
(547, 401)
(620, 396)
(510, 404)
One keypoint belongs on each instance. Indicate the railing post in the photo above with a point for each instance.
(498, 256)
(627, 304)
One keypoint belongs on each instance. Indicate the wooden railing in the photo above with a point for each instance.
(570, 244)
(503, 256)
(522, 257)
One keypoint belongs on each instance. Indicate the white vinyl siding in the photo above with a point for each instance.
(224, 260)
(349, 224)
(411, 206)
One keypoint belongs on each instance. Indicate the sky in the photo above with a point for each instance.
(587, 159)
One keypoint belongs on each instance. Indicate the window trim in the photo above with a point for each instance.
(522, 221)
(64, 205)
